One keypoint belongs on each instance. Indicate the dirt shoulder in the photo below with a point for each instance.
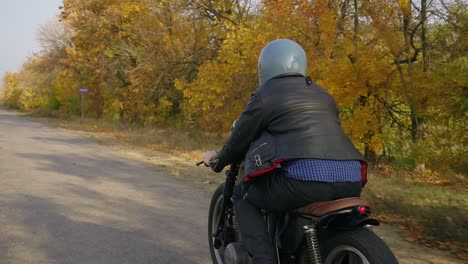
(180, 164)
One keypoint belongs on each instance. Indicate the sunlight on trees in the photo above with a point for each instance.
(397, 68)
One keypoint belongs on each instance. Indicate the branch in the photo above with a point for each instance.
(412, 34)
(415, 7)
(352, 58)
(409, 60)
(391, 113)
(217, 14)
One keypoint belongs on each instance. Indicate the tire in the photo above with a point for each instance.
(217, 255)
(358, 246)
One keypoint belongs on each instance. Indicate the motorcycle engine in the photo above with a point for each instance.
(235, 253)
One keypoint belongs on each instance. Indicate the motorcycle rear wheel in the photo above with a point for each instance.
(358, 246)
(214, 215)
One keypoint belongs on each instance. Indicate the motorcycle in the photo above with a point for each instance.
(332, 232)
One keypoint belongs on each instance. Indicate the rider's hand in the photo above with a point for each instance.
(208, 156)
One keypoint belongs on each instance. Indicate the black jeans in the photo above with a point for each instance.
(276, 192)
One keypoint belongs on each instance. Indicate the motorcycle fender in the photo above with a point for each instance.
(351, 221)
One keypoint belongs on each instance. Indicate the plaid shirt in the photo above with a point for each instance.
(323, 170)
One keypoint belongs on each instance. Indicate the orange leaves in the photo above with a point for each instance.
(148, 61)
(231, 75)
(405, 6)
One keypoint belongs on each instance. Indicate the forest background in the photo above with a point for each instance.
(398, 70)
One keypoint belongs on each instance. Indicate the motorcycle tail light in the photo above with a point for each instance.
(362, 209)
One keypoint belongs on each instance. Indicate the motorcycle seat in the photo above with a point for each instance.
(319, 209)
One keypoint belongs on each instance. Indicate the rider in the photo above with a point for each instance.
(293, 148)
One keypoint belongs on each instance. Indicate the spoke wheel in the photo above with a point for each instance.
(346, 255)
(357, 246)
(214, 217)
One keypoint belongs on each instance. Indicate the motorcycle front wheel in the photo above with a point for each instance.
(214, 215)
(358, 246)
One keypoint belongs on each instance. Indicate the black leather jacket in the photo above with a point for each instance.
(300, 116)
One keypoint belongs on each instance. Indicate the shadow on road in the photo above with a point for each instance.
(69, 141)
(97, 207)
(52, 237)
(6, 119)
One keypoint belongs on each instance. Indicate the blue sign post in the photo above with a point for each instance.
(82, 92)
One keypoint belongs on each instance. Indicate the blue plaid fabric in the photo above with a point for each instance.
(323, 170)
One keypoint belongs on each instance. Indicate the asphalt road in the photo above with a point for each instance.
(66, 199)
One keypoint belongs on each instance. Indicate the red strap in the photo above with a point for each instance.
(363, 172)
(261, 172)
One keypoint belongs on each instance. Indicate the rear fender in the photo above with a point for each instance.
(347, 219)
(292, 237)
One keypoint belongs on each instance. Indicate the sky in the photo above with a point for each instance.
(19, 23)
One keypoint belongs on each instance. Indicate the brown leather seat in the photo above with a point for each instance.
(319, 209)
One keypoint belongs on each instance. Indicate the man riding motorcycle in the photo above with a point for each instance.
(291, 145)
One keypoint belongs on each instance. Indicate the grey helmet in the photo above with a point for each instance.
(281, 57)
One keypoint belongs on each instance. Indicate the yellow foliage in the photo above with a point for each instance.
(151, 61)
(30, 99)
(231, 75)
(11, 90)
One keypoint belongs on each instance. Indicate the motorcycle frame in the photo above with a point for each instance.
(271, 219)
(305, 227)
(231, 175)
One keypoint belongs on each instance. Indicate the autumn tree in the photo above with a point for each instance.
(397, 68)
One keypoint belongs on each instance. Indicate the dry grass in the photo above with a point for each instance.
(186, 142)
(432, 215)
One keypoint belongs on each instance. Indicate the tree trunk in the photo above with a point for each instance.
(370, 156)
(408, 87)
(423, 35)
